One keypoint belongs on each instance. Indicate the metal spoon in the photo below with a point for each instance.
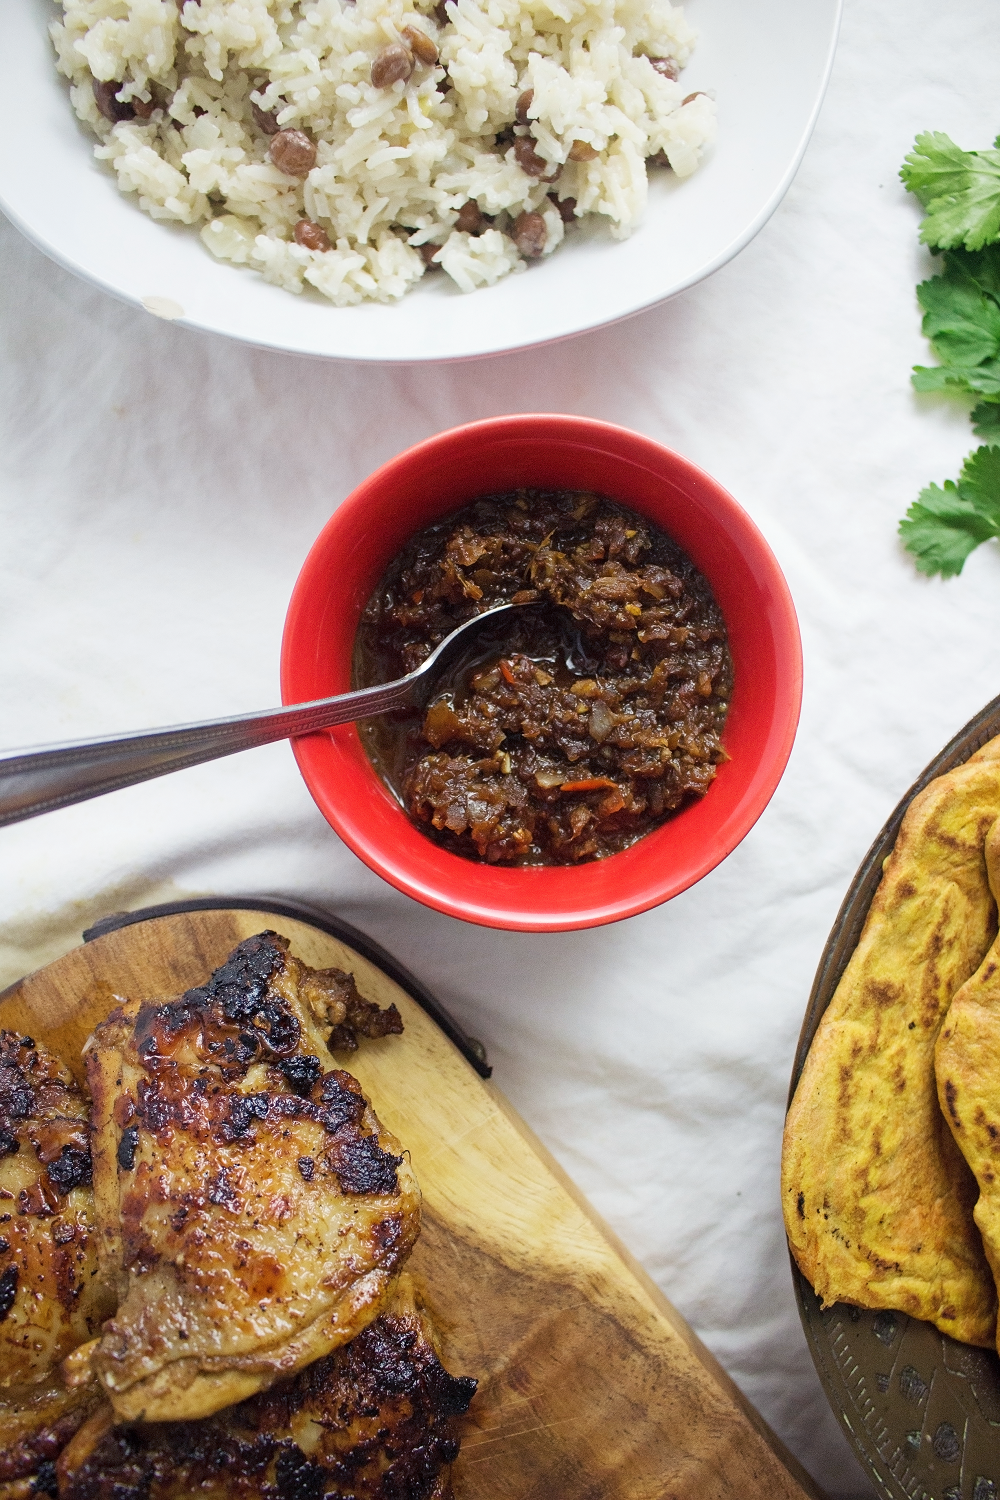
(38, 781)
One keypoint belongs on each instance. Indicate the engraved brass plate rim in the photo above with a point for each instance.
(921, 1411)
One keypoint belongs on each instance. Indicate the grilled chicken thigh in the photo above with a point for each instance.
(52, 1297)
(371, 1421)
(51, 1294)
(253, 1213)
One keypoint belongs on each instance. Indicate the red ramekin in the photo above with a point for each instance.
(550, 452)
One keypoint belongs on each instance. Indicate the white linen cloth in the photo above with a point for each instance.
(161, 488)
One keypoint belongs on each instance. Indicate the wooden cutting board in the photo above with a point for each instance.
(592, 1387)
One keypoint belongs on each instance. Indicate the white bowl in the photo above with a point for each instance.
(767, 66)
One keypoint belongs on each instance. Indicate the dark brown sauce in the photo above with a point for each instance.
(566, 731)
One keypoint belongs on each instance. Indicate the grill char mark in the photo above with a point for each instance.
(380, 1412)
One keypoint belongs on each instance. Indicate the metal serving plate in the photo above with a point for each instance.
(921, 1410)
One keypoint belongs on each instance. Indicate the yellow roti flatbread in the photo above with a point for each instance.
(967, 1063)
(877, 1198)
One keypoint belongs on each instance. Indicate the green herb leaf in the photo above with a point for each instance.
(940, 530)
(959, 189)
(980, 479)
(980, 266)
(986, 420)
(962, 322)
(935, 168)
(936, 378)
(948, 523)
(982, 380)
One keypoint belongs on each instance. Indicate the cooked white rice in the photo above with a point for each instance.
(394, 165)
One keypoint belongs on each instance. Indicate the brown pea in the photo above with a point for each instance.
(441, 13)
(310, 235)
(522, 106)
(293, 153)
(470, 218)
(428, 253)
(393, 63)
(666, 67)
(583, 151)
(566, 207)
(265, 120)
(108, 102)
(528, 158)
(144, 108)
(528, 234)
(420, 44)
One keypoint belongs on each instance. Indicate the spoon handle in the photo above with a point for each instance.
(38, 781)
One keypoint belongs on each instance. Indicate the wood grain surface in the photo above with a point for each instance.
(592, 1387)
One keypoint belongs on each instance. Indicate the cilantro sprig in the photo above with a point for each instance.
(948, 522)
(962, 321)
(959, 189)
(961, 192)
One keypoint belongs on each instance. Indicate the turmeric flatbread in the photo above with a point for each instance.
(877, 1198)
(967, 1064)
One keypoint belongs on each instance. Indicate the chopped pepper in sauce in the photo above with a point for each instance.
(566, 731)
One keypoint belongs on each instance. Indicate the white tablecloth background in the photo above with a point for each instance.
(160, 489)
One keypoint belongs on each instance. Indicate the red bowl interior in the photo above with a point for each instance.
(556, 452)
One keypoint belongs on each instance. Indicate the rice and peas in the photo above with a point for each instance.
(355, 146)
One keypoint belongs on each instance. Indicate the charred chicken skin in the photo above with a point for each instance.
(371, 1421)
(52, 1296)
(253, 1213)
(36, 1423)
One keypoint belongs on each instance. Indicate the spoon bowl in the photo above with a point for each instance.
(422, 678)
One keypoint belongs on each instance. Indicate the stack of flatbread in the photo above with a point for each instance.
(891, 1161)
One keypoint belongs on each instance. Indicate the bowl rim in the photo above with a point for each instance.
(546, 902)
